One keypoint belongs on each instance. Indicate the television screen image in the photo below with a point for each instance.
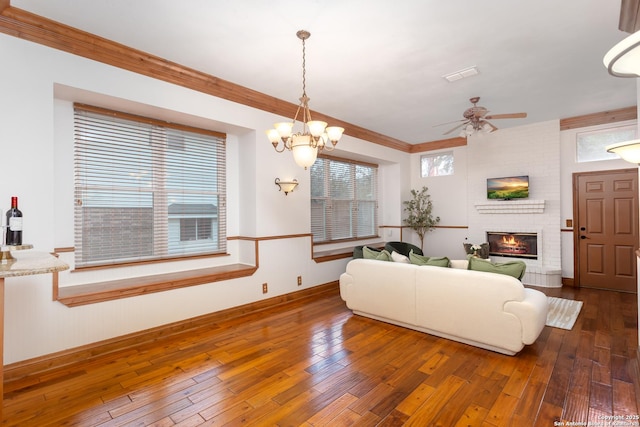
(507, 188)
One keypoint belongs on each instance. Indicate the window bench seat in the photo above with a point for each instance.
(346, 252)
(73, 296)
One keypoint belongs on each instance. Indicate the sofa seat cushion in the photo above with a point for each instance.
(512, 268)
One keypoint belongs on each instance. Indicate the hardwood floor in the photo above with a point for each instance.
(314, 363)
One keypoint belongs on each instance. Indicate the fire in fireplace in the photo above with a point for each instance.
(518, 245)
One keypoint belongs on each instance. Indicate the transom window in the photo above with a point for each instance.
(344, 200)
(437, 164)
(591, 146)
(146, 189)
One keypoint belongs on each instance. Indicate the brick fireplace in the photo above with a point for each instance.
(527, 150)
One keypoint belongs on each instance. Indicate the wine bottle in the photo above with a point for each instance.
(14, 224)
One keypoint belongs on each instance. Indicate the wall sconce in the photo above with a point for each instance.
(286, 186)
(627, 150)
(623, 60)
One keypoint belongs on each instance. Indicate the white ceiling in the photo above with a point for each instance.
(379, 63)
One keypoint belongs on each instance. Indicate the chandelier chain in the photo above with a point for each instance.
(304, 68)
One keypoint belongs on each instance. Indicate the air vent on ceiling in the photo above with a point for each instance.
(461, 74)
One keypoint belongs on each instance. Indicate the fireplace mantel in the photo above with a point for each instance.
(524, 206)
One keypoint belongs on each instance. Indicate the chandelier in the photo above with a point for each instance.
(315, 134)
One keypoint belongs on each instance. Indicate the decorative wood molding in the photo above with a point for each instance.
(73, 296)
(37, 29)
(438, 145)
(4, 4)
(619, 115)
(629, 14)
(84, 353)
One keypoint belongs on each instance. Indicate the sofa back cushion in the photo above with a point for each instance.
(385, 289)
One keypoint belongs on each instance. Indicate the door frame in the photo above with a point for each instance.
(576, 218)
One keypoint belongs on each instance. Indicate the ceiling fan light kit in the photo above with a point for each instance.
(314, 136)
(623, 60)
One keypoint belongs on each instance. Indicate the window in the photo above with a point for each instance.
(590, 146)
(344, 200)
(439, 164)
(146, 189)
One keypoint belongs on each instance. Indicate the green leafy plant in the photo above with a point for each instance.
(419, 213)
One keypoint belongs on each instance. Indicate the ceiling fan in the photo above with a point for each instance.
(476, 119)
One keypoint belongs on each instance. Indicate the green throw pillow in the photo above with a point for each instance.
(513, 268)
(418, 259)
(441, 261)
(370, 253)
(425, 260)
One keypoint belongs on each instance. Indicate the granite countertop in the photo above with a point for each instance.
(29, 262)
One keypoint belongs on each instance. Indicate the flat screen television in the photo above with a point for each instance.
(508, 188)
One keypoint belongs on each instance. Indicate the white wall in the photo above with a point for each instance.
(39, 85)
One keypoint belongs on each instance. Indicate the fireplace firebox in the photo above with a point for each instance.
(515, 245)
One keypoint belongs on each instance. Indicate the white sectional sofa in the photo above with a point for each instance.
(487, 310)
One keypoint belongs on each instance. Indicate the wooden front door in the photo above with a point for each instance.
(606, 229)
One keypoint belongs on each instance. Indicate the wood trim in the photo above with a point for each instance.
(73, 296)
(4, 4)
(28, 26)
(612, 116)
(438, 145)
(82, 354)
(629, 13)
(568, 281)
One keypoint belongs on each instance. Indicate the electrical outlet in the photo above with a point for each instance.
(299, 280)
(264, 288)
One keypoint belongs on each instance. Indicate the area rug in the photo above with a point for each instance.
(563, 312)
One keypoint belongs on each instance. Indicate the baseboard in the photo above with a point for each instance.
(70, 357)
(568, 281)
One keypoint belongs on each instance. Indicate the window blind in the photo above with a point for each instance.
(146, 189)
(344, 200)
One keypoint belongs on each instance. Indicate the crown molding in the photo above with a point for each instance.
(604, 117)
(28, 26)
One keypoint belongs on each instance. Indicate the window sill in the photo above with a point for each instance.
(347, 252)
(73, 296)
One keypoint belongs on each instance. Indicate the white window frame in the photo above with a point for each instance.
(435, 170)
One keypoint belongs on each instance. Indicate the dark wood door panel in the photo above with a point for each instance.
(606, 205)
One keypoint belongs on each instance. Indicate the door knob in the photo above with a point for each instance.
(583, 237)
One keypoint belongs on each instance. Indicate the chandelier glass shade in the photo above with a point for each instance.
(623, 60)
(627, 150)
(315, 135)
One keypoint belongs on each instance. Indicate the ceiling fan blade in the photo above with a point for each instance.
(448, 123)
(456, 128)
(507, 116)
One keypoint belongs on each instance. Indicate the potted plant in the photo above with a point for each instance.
(419, 213)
